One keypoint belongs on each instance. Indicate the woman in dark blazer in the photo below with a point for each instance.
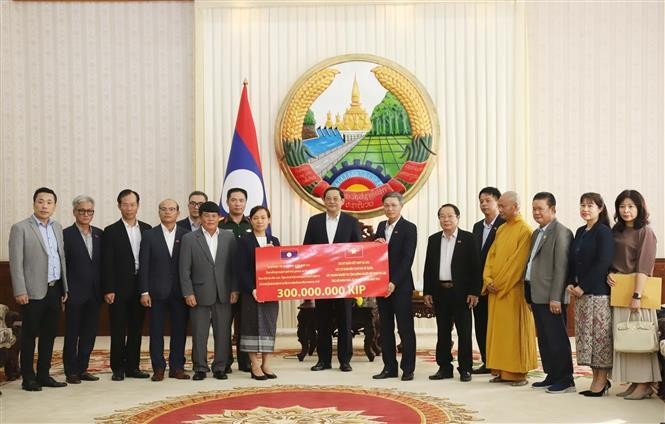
(591, 254)
(259, 319)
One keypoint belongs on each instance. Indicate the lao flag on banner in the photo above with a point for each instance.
(244, 166)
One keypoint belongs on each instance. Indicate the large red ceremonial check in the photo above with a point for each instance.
(321, 271)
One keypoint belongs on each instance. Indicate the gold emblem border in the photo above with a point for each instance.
(279, 127)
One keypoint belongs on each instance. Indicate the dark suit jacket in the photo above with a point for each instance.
(247, 246)
(591, 256)
(185, 224)
(118, 260)
(348, 230)
(478, 228)
(401, 251)
(84, 274)
(158, 273)
(464, 267)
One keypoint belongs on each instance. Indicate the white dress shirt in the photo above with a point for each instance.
(212, 242)
(169, 236)
(390, 228)
(487, 228)
(539, 237)
(134, 234)
(447, 249)
(331, 227)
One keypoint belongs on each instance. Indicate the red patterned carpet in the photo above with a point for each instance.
(296, 405)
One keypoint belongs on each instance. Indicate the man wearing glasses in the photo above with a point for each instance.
(83, 253)
(159, 285)
(193, 221)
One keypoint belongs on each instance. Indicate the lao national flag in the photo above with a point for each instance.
(244, 166)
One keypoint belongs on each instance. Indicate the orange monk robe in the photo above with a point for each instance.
(511, 341)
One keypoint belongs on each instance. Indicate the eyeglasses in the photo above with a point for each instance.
(195, 204)
(88, 212)
(164, 209)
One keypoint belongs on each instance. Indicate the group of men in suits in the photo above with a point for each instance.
(175, 270)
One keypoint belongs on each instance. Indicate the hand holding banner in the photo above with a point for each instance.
(321, 271)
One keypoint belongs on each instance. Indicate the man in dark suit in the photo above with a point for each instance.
(83, 253)
(484, 231)
(194, 202)
(544, 283)
(39, 280)
(210, 288)
(159, 283)
(120, 263)
(333, 226)
(452, 282)
(401, 236)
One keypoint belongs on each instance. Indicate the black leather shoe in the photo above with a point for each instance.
(137, 374)
(199, 375)
(50, 382)
(481, 370)
(118, 376)
(228, 369)
(345, 367)
(407, 376)
(464, 376)
(73, 379)
(31, 386)
(441, 374)
(385, 374)
(86, 376)
(220, 375)
(321, 366)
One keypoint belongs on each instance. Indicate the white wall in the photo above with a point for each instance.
(596, 103)
(96, 97)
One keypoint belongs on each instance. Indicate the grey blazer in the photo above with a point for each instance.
(549, 266)
(28, 259)
(210, 281)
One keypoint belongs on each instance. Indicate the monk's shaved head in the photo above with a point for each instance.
(511, 196)
(509, 205)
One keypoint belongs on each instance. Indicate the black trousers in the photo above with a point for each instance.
(397, 306)
(40, 320)
(553, 343)
(451, 307)
(243, 358)
(176, 310)
(480, 324)
(328, 312)
(126, 314)
(80, 334)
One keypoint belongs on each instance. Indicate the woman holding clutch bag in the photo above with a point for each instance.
(259, 319)
(635, 252)
(591, 254)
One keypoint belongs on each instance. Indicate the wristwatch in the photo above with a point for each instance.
(637, 296)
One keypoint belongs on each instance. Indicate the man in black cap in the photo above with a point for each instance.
(209, 288)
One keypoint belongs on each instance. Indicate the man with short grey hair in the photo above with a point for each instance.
(83, 253)
(401, 237)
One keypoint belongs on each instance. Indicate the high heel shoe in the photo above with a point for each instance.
(644, 395)
(628, 391)
(269, 376)
(602, 392)
(258, 377)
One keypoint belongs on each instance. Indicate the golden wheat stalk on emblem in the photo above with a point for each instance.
(421, 125)
(303, 98)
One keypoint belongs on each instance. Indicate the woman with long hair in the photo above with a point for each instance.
(635, 252)
(591, 254)
(258, 325)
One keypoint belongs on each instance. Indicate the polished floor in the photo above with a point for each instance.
(494, 403)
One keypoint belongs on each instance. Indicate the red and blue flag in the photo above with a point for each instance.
(244, 166)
